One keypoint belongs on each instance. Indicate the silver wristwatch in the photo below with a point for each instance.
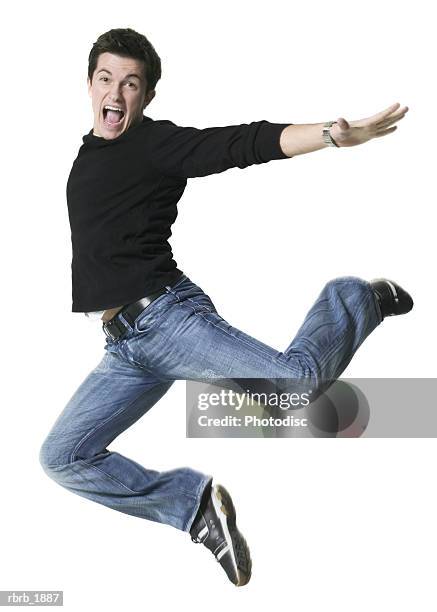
(327, 138)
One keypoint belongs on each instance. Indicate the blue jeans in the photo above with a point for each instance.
(181, 336)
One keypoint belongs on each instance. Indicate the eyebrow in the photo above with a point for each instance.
(126, 77)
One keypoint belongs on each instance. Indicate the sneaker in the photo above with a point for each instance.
(215, 527)
(392, 298)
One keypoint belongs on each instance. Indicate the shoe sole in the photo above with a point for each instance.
(240, 550)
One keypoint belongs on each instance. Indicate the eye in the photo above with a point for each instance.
(102, 78)
(131, 83)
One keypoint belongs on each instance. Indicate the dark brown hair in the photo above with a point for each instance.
(127, 43)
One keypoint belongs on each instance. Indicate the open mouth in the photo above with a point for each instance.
(112, 116)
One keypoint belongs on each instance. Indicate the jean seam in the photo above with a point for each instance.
(105, 473)
(340, 339)
(91, 465)
(170, 290)
(198, 309)
(100, 425)
(130, 361)
(125, 353)
(242, 340)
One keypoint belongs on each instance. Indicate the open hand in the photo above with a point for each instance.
(351, 133)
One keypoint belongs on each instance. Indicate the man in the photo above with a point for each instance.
(160, 327)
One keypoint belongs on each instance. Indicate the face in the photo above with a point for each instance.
(118, 82)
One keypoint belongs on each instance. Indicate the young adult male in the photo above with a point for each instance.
(160, 326)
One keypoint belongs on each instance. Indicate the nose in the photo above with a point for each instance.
(115, 92)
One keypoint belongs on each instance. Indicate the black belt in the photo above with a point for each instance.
(115, 328)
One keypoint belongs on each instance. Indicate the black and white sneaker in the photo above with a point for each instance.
(392, 298)
(215, 527)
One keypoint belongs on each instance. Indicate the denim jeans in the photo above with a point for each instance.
(181, 336)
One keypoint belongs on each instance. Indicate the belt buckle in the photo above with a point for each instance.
(107, 327)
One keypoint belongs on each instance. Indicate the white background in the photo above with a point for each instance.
(334, 525)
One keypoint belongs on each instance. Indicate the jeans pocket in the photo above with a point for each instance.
(187, 293)
(150, 316)
(200, 303)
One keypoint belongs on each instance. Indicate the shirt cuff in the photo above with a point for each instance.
(268, 141)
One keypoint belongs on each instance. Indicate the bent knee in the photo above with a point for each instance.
(347, 286)
(52, 456)
(341, 281)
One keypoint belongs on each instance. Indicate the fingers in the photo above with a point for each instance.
(392, 118)
(375, 119)
(380, 118)
(383, 114)
(385, 132)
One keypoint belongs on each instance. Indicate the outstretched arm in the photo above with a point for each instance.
(188, 151)
(305, 138)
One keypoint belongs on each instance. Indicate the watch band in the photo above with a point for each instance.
(327, 138)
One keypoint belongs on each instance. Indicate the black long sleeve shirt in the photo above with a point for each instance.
(122, 197)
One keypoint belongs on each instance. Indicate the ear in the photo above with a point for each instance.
(149, 97)
(89, 85)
